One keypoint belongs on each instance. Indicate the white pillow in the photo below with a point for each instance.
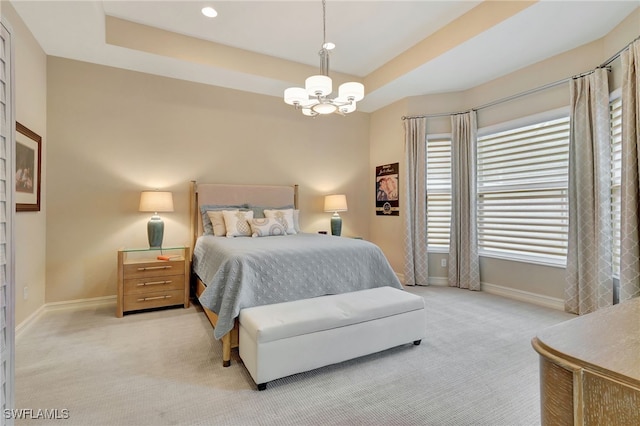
(285, 217)
(265, 227)
(217, 222)
(237, 223)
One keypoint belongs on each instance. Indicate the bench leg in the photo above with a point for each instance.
(262, 386)
(226, 350)
(417, 342)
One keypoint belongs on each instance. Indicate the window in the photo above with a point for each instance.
(522, 192)
(615, 108)
(438, 192)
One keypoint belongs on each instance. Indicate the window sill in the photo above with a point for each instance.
(534, 260)
(521, 259)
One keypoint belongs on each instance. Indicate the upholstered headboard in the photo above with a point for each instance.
(226, 194)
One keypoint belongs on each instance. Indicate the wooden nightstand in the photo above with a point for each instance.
(145, 282)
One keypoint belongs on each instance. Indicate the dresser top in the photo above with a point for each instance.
(607, 340)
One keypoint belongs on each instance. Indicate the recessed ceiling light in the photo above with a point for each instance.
(209, 12)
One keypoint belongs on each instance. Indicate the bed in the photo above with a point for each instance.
(230, 274)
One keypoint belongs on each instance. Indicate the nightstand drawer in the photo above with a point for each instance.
(155, 269)
(153, 284)
(134, 302)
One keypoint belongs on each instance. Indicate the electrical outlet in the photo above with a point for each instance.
(25, 292)
(443, 263)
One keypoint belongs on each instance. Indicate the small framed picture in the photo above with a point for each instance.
(387, 199)
(28, 167)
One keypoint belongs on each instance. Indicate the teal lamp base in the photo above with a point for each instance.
(155, 231)
(336, 224)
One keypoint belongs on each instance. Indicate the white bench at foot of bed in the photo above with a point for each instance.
(287, 338)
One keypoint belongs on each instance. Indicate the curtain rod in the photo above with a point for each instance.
(618, 53)
(509, 98)
(528, 92)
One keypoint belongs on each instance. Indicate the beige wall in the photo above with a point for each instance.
(113, 133)
(386, 142)
(31, 104)
(388, 147)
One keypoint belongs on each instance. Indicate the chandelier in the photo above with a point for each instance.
(315, 98)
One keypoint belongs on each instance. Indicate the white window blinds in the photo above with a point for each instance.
(522, 192)
(7, 316)
(616, 193)
(438, 192)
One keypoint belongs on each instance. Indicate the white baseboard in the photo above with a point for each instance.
(81, 303)
(432, 280)
(56, 306)
(524, 296)
(440, 281)
(20, 328)
(511, 293)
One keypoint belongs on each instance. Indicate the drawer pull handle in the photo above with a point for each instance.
(154, 283)
(151, 268)
(146, 299)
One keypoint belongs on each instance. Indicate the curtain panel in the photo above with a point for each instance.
(629, 221)
(464, 265)
(589, 280)
(416, 271)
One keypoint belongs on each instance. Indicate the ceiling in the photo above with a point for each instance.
(396, 48)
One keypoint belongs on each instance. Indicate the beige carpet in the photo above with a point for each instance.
(476, 367)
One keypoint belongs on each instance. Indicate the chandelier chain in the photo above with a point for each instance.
(324, 23)
(315, 98)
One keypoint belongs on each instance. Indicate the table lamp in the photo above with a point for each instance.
(335, 203)
(155, 201)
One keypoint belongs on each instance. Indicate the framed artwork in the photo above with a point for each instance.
(387, 199)
(28, 167)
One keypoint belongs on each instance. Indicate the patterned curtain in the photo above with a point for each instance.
(464, 266)
(415, 202)
(589, 272)
(630, 223)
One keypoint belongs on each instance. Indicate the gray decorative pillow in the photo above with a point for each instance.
(265, 227)
(207, 227)
(258, 211)
(296, 220)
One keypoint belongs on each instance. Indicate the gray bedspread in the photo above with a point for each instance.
(244, 272)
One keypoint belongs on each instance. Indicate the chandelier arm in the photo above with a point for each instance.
(348, 101)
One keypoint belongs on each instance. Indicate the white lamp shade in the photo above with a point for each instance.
(309, 112)
(335, 203)
(318, 85)
(351, 90)
(156, 201)
(294, 95)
